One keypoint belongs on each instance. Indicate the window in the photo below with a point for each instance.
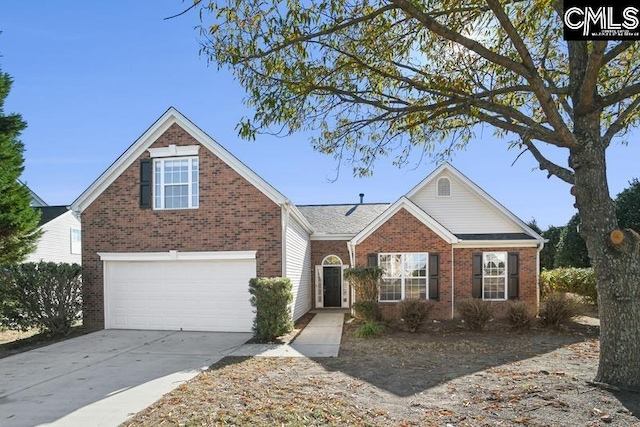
(494, 275)
(175, 183)
(332, 260)
(76, 241)
(444, 187)
(404, 276)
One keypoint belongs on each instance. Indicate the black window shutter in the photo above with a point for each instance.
(513, 269)
(372, 260)
(434, 277)
(145, 183)
(476, 289)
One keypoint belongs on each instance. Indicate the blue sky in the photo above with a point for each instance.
(90, 77)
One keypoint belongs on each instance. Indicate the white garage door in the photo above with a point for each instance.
(179, 294)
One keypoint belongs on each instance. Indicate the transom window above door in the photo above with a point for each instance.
(331, 260)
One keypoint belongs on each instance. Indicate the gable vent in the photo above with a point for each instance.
(444, 187)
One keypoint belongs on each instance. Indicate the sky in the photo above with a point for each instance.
(91, 77)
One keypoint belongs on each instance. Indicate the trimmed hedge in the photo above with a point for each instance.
(367, 310)
(46, 295)
(475, 312)
(413, 312)
(271, 297)
(365, 281)
(580, 281)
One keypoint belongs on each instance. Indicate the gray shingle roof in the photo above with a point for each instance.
(342, 219)
(48, 213)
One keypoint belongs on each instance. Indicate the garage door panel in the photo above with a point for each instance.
(174, 295)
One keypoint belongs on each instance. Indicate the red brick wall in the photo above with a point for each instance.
(527, 272)
(233, 215)
(319, 250)
(405, 233)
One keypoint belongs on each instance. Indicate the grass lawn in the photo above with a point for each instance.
(439, 376)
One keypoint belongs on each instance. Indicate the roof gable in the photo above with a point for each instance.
(49, 213)
(409, 206)
(469, 209)
(170, 117)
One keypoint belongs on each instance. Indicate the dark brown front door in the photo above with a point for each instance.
(332, 284)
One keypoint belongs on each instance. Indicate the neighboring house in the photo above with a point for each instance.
(36, 201)
(193, 224)
(61, 236)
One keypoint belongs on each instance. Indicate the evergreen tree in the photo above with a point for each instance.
(18, 220)
(572, 250)
(628, 206)
(548, 253)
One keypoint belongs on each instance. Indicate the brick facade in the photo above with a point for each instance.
(233, 215)
(405, 233)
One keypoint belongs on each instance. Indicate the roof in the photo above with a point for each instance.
(496, 236)
(36, 201)
(404, 203)
(528, 231)
(170, 117)
(343, 218)
(49, 213)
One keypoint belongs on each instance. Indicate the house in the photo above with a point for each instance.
(36, 201)
(61, 236)
(176, 226)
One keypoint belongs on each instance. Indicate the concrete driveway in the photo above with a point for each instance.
(102, 378)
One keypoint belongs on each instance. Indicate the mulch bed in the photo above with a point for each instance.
(442, 375)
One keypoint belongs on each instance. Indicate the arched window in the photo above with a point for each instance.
(332, 260)
(444, 187)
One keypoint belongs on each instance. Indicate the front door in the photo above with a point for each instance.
(332, 286)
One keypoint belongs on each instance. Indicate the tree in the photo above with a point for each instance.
(18, 220)
(548, 253)
(628, 206)
(572, 250)
(374, 78)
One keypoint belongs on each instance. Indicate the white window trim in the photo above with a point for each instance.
(174, 151)
(402, 279)
(505, 275)
(162, 185)
(78, 244)
(331, 265)
(438, 186)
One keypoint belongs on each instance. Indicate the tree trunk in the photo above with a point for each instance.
(616, 263)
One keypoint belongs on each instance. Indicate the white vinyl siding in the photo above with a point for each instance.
(298, 267)
(55, 243)
(463, 211)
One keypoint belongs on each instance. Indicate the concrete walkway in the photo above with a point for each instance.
(320, 338)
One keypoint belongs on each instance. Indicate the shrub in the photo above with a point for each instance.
(475, 312)
(367, 310)
(365, 281)
(370, 329)
(520, 317)
(44, 295)
(557, 310)
(581, 281)
(414, 311)
(271, 297)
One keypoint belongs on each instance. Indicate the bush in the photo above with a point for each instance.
(271, 297)
(581, 281)
(520, 317)
(370, 329)
(557, 310)
(45, 295)
(367, 310)
(365, 281)
(414, 311)
(476, 313)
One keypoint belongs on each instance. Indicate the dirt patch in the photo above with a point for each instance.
(442, 375)
(14, 342)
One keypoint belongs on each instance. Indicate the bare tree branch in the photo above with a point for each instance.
(616, 50)
(620, 121)
(563, 173)
(587, 91)
(195, 3)
(621, 95)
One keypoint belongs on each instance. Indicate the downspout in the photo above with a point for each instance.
(540, 248)
(453, 293)
(352, 253)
